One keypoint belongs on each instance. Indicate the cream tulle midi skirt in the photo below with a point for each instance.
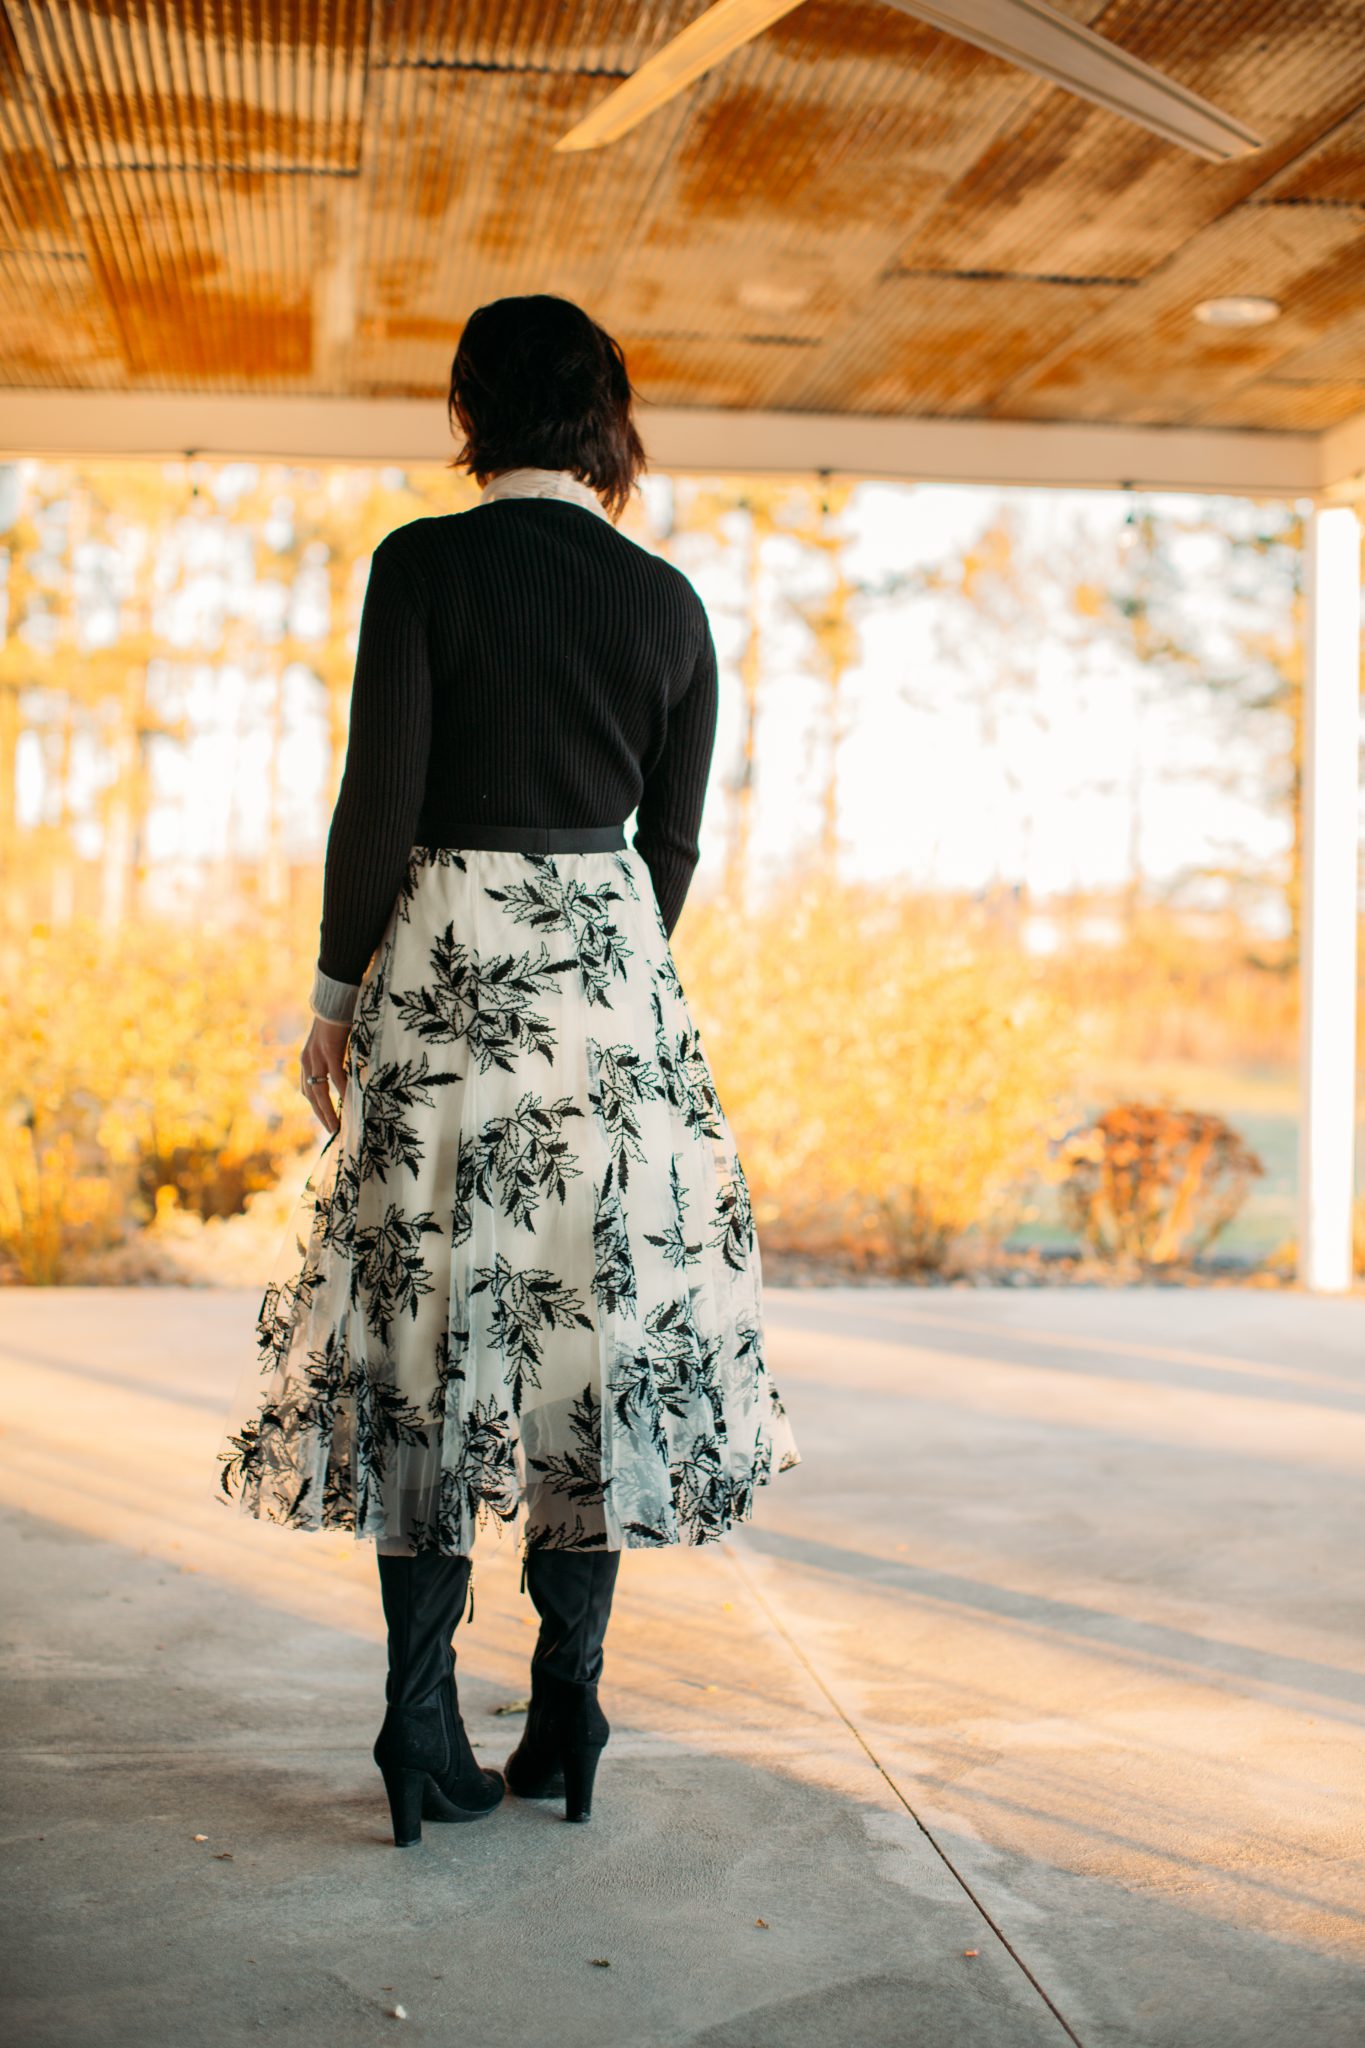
(523, 1275)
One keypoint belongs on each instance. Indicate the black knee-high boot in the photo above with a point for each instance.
(430, 1771)
(566, 1730)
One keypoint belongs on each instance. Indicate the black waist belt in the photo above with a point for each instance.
(527, 838)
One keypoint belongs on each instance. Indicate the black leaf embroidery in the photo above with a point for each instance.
(552, 901)
(388, 1100)
(488, 1005)
(622, 1080)
(674, 1242)
(522, 1158)
(577, 1471)
(613, 1279)
(526, 1303)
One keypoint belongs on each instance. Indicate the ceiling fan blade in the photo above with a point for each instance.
(692, 51)
(1024, 32)
(1032, 35)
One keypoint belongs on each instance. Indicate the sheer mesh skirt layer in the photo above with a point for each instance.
(523, 1277)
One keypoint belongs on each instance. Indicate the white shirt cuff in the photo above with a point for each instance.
(333, 1001)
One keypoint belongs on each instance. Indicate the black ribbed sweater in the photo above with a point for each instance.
(521, 662)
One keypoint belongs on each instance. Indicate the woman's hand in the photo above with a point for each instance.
(322, 1067)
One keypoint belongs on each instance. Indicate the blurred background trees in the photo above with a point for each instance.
(918, 1045)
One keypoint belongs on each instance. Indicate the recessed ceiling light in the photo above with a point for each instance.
(1237, 312)
(761, 296)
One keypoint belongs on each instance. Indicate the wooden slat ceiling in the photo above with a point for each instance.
(853, 213)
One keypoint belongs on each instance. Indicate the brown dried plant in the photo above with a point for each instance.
(1150, 1186)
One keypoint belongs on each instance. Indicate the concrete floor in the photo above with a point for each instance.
(1030, 1710)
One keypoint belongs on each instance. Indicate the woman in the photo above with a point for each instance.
(524, 1273)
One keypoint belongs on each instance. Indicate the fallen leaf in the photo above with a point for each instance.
(512, 1707)
(398, 2012)
(760, 1923)
(222, 1855)
(971, 1951)
(201, 1838)
(601, 1962)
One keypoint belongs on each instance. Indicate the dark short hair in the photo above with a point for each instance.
(535, 381)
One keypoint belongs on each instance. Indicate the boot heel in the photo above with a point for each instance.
(580, 1768)
(405, 1789)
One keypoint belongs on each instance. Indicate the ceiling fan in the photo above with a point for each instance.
(1024, 32)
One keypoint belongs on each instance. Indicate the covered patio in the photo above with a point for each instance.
(1044, 1727)
(1029, 1709)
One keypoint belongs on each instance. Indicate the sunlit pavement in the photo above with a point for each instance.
(1030, 1708)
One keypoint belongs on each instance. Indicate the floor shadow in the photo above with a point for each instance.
(1084, 1355)
(127, 1382)
(1152, 1644)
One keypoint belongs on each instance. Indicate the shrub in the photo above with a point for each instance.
(1152, 1186)
(891, 1066)
(147, 1062)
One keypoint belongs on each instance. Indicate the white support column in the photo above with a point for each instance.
(1331, 746)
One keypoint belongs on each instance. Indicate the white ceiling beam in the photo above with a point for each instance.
(687, 440)
(981, 451)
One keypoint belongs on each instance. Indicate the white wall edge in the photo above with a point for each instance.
(1343, 459)
(698, 440)
(1331, 835)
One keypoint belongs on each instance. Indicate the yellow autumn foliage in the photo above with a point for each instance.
(895, 1066)
(156, 1060)
(891, 1066)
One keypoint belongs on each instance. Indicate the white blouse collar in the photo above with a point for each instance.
(531, 482)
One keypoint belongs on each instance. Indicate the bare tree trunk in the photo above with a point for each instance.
(742, 781)
(62, 882)
(117, 852)
(836, 722)
(9, 801)
(274, 878)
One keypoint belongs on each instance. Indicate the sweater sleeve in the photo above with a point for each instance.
(668, 816)
(382, 784)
